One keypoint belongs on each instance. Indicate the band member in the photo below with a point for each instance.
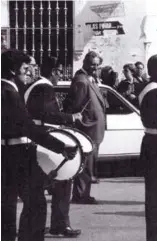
(43, 107)
(21, 174)
(85, 92)
(148, 109)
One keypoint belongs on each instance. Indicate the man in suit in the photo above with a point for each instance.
(148, 110)
(43, 107)
(85, 92)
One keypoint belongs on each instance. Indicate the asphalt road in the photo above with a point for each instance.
(119, 216)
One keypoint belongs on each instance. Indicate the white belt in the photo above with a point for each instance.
(15, 141)
(151, 131)
(38, 122)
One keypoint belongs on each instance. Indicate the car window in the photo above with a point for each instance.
(114, 105)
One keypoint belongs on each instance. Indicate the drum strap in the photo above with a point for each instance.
(148, 88)
(38, 82)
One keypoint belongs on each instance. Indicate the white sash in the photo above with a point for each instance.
(149, 87)
(41, 81)
(11, 83)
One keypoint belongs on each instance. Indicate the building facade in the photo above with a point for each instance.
(69, 29)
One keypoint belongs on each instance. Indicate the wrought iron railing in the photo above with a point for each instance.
(43, 28)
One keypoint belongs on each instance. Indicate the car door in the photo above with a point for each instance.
(124, 129)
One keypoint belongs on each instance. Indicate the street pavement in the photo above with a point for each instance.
(119, 216)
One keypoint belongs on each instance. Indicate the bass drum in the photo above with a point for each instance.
(49, 160)
(85, 141)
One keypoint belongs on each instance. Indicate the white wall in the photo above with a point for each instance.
(4, 13)
(116, 50)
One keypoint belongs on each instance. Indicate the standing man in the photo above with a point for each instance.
(148, 109)
(43, 107)
(85, 92)
(21, 174)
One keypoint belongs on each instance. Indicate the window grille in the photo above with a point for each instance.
(43, 28)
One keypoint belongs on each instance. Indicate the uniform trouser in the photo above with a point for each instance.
(21, 176)
(149, 159)
(60, 205)
(82, 183)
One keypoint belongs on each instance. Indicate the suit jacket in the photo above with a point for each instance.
(82, 92)
(42, 105)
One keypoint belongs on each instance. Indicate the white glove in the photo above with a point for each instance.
(77, 116)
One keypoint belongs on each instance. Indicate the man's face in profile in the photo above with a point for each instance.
(21, 73)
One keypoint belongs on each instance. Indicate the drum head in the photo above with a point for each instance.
(85, 141)
(49, 160)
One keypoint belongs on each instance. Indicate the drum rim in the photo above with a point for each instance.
(81, 132)
(81, 151)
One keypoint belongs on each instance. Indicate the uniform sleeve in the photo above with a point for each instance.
(32, 131)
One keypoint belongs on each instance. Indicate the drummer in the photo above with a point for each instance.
(21, 174)
(43, 107)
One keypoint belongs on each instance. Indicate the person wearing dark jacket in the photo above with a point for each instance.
(21, 174)
(148, 110)
(43, 107)
(85, 92)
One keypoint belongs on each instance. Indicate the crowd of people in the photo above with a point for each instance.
(131, 85)
(28, 102)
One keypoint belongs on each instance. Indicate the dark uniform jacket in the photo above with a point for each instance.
(42, 105)
(148, 109)
(16, 122)
(83, 91)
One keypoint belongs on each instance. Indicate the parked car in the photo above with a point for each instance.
(124, 129)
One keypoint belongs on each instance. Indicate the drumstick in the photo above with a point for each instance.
(85, 106)
(61, 164)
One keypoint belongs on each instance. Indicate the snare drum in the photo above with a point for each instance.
(49, 160)
(85, 141)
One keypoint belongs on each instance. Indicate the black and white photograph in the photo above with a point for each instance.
(79, 120)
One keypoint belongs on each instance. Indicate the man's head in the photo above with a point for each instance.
(139, 68)
(14, 65)
(129, 71)
(32, 74)
(48, 69)
(91, 62)
(152, 67)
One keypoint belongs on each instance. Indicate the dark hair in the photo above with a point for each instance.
(49, 63)
(152, 65)
(131, 67)
(139, 63)
(91, 55)
(11, 61)
(105, 71)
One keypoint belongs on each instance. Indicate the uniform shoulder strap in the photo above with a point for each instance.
(148, 88)
(10, 83)
(38, 82)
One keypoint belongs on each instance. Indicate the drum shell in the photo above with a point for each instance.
(49, 160)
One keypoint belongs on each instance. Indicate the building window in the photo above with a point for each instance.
(43, 28)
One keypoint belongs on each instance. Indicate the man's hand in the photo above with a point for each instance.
(70, 152)
(77, 116)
